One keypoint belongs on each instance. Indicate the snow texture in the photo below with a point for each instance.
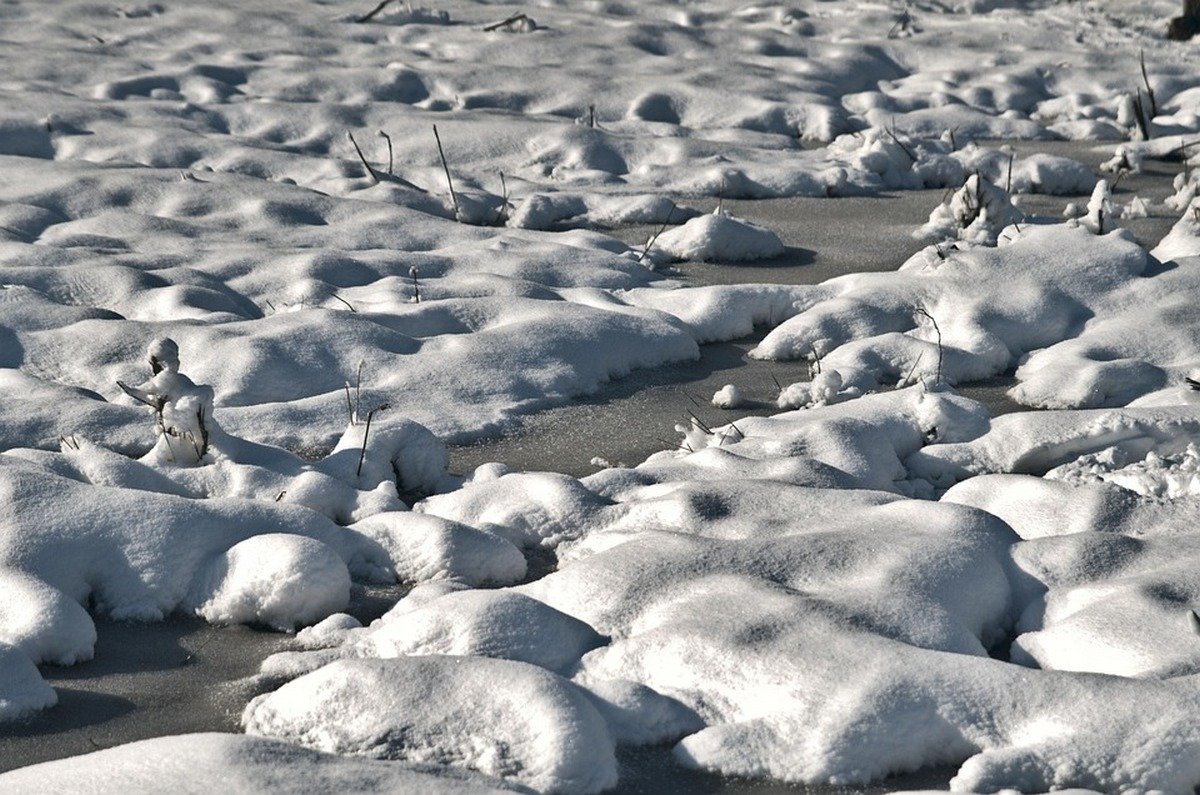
(538, 729)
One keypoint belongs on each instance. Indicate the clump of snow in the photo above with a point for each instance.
(728, 397)
(1101, 214)
(538, 729)
(275, 579)
(824, 388)
(719, 237)
(1184, 238)
(1187, 185)
(977, 213)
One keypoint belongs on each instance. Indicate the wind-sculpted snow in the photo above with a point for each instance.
(1119, 568)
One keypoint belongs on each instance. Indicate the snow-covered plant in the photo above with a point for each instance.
(182, 409)
(976, 213)
(1101, 213)
(825, 388)
(1187, 186)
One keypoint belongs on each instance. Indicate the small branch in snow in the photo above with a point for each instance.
(344, 301)
(446, 168)
(374, 12)
(416, 284)
(362, 456)
(1149, 90)
(906, 150)
(502, 213)
(661, 229)
(520, 16)
(388, 138)
(366, 165)
(701, 424)
(920, 310)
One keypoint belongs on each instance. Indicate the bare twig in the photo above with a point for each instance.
(816, 358)
(1008, 179)
(388, 138)
(502, 213)
(908, 378)
(907, 151)
(506, 22)
(366, 165)
(1139, 113)
(920, 310)
(358, 387)
(688, 395)
(412, 271)
(1149, 90)
(701, 424)
(592, 116)
(661, 229)
(374, 12)
(344, 301)
(367, 430)
(350, 405)
(446, 168)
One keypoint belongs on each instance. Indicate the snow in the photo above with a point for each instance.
(190, 763)
(538, 729)
(961, 314)
(249, 294)
(718, 238)
(22, 689)
(276, 579)
(728, 397)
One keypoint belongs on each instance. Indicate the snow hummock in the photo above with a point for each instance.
(719, 237)
(191, 763)
(538, 729)
(277, 579)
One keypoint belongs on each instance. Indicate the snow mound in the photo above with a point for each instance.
(426, 547)
(719, 238)
(280, 580)
(538, 729)
(529, 509)
(985, 306)
(728, 397)
(190, 763)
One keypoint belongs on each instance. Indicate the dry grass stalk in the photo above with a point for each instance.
(446, 168)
